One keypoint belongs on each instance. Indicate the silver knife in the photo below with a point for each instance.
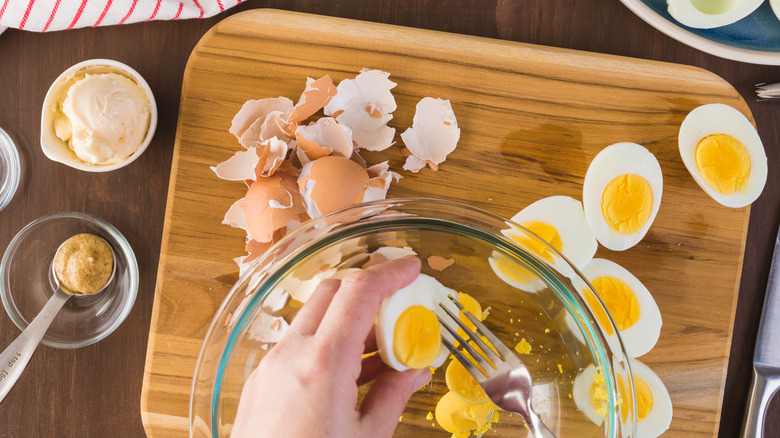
(766, 361)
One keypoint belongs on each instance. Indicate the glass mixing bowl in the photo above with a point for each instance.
(530, 289)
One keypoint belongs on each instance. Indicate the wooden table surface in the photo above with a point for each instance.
(94, 391)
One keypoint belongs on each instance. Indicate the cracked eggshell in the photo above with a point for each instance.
(331, 183)
(434, 134)
(316, 95)
(255, 162)
(323, 138)
(380, 178)
(365, 104)
(272, 203)
(254, 111)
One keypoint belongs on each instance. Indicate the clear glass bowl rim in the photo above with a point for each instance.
(392, 204)
(127, 252)
(10, 157)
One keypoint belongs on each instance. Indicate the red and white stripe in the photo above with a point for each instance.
(50, 15)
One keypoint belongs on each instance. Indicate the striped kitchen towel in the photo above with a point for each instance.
(50, 15)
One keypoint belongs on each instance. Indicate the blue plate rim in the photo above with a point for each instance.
(698, 42)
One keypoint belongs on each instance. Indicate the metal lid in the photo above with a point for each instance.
(10, 169)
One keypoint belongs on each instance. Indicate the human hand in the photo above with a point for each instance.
(307, 385)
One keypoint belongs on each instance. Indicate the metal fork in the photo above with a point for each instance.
(498, 371)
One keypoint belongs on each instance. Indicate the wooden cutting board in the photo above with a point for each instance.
(531, 118)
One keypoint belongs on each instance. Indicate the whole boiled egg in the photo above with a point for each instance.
(621, 194)
(408, 332)
(706, 14)
(653, 404)
(628, 301)
(724, 154)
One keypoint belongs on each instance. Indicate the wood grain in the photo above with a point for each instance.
(531, 117)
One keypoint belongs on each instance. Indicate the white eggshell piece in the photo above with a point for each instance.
(434, 133)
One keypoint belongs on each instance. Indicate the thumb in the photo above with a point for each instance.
(387, 399)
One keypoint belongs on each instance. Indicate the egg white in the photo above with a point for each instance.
(659, 418)
(686, 13)
(718, 118)
(613, 161)
(531, 286)
(641, 337)
(567, 216)
(581, 394)
(424, 291)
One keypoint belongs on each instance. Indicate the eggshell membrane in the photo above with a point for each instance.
(254, 110)
(434, 134)
(236, 217)
(642, 336)
(270, 204)
(273, 125)
(567, 216)
(380, 178)
(331, 183)
(424, 291)
(718, 118)
(322, 138)
(613, 161)
(365, 104)
(686, 13)
(316, 95)
(658, 420)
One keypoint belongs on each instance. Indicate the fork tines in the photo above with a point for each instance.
(491, 355)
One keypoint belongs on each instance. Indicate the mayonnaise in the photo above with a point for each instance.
(104, 118)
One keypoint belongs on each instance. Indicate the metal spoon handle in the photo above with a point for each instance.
(13, 360)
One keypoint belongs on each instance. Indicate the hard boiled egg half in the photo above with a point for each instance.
(653, 404)
(560, 222)
(653, 408)
(706, 14)
(628, 301)
(724, 154)
(408, 332)
(621, 194)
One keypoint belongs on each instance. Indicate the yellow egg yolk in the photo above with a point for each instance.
(620, 300)
(626, 203)
(546, 232)
(463, 384)
(723, 162)
(644, 398)
(599, 397)
(460, 418)
(416, 337)
(473, 307)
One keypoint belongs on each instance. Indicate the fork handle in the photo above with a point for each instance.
(537, 427)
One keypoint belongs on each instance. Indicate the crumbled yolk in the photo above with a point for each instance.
(460, 418)
(620, 300)
(523, 347)
(463, 384)
(429, 417)
(644, 398)
(626, 203)
(416, 337)
(723, 162)
(545, 231)
(598, 393)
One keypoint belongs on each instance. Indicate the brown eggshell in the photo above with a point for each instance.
(338, 182)
(270, 204)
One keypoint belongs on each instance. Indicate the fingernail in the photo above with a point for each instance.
(422, 379)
